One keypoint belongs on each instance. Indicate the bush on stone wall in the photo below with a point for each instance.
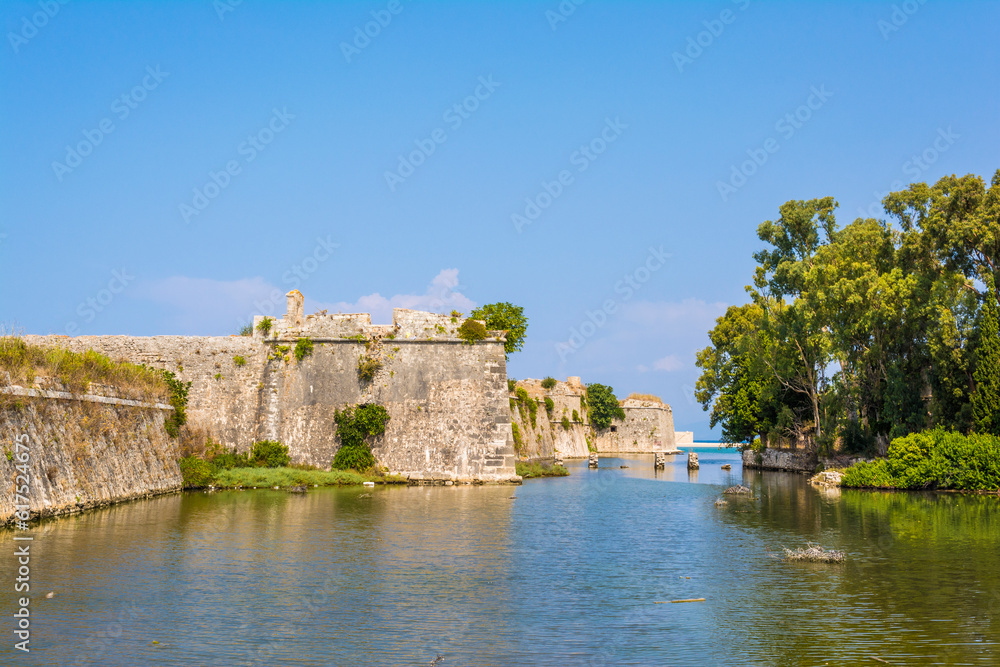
(355, 426)
(303, 348)
(178, 401)
(548, 383)
(264, 326)
(550, 406)
(77, 370)
(472, 331)
(604, 407)
(368, 368)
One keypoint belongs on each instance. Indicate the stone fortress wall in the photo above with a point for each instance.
(81, 451)
(648, 425)
(447, 399)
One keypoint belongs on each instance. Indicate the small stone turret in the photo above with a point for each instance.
(293, 316)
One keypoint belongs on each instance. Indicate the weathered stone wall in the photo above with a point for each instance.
(224, 396)
(648, 427)
(778, 459)
(83, 452)
(548, 437)
(447, 400)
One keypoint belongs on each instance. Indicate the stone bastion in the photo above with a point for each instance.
(447, 399)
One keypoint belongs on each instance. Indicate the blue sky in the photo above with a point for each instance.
(169, 167)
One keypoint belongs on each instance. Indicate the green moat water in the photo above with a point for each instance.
(564, 573)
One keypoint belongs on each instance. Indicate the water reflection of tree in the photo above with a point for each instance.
(922, 581)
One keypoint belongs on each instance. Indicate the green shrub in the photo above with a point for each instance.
(576, 416)
(239, 361)
(196, 472)
(269, 454)
(355, 425)
(518, 439)
(522, 394)
(504, 317)
(513, 403)
(536, 469)
(246, 330)
(550, 406)
(935, 459)
(471, 331)
(511, 384)
(228, 460)
(548, 383)
(533, 412)
(565, 422)
(264, 326)
(368, 368)
(353, 458)
(604, 407)
(178, 401)
(303, 348)
(875, 474)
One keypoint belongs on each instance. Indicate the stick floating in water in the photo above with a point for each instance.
(675, 601)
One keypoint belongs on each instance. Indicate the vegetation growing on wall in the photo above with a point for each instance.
(511, 383)
(246, 330)
(604, 407)
(77, 370)
(303, 348)
(264, 326)
(368, 368)
(507, 317)
(576, 416)
(356, 426)
(550, 406)
(178, 401)
(518, 438)
(565, 423)
(239, 361)
(548, 383)
(471, 331)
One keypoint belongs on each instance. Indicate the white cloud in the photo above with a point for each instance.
(440, 297)
(669, 363)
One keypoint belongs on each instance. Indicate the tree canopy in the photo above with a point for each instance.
(866, 332)
(507, 317)
(603, 406)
